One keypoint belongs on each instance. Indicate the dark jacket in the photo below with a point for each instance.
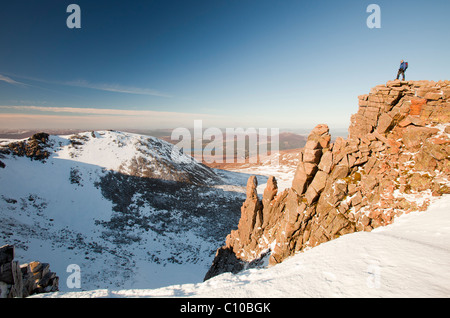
(403, 66)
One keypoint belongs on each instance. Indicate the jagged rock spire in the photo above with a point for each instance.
(398, 147)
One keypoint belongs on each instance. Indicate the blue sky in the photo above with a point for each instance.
(248, 63)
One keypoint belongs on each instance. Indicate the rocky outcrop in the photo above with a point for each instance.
(33, 148)
(395, 159)
(17, 281)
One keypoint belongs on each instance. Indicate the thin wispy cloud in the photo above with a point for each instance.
(94, 118)
(9, 80)
(115, 88)
(93, 111)
(107, 87)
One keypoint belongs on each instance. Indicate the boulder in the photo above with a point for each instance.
(311, 195)
(224, 261)
(416, 106)
(17, 281)
(433, 96)
(385, 123)
(326, 162)
(312, 155)
(319, 181)
(6, 254)
(414, 136)
(411, 120)
(301, 179)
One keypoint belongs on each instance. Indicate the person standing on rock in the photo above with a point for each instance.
(402, 69)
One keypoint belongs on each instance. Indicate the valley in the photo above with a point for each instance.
(118, 205)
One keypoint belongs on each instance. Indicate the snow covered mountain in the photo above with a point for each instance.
(128, 209)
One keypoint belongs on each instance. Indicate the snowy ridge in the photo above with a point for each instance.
(134, 154)
(409, 258)
(124, 207)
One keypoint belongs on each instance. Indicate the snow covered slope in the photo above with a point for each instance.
(410, 258)
(127, 209)
(281, 165)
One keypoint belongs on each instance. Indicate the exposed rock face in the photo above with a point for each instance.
(17, 281)
(34, 148)
(397, 152)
